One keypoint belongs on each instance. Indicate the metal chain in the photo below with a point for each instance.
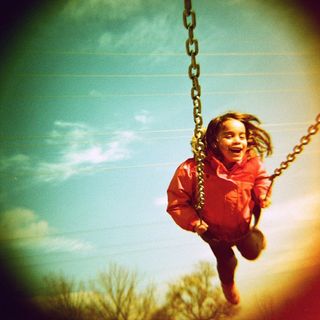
(192, 48)
(312, 130)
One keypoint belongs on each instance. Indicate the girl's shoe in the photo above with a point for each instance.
(231, 293)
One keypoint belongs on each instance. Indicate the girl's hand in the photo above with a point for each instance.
(200, 227)
(265, 201)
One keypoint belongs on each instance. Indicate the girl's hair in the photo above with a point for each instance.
(258, 139)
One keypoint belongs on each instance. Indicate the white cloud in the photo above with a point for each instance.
(47, 172)
(96, 154)
(298, 211)
(101, 9)
(65, 124)
(126, 136)
(91, 155)
(68, 132)
(160, 201)
(143, 117)
(16, 161)
(80, 149)
(21, 227)
(65, 244)
(84, 151)
(21, 223)
(304, 208)
(156, 31)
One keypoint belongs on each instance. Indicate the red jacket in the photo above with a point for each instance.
(228, 199)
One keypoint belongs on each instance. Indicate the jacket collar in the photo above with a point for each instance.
(219, 166)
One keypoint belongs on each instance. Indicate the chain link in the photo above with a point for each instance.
(192, 49)
(312, 130)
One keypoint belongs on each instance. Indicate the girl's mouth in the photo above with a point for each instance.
(235, 150)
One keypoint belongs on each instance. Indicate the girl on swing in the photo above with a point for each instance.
(234, 182)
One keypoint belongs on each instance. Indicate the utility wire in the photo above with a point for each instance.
(103, 169)
(171, 53)
(50, 147)
(104, 96)
(110, 246)
(143, 131)
(166, 75)
(185, 244)
(114, 246)
(85, 231)
(114, 254)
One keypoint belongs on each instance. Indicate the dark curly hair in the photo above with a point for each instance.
(258, 139)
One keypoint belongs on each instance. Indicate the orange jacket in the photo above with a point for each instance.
(228, 198)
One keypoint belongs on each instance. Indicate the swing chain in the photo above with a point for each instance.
(192, 49)
(312, 130)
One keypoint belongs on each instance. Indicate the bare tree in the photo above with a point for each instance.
(162, 313)
(194, 297)
(65, 298)
(117, 296)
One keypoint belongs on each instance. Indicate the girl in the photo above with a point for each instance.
(234, 181)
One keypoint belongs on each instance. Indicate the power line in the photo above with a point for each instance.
(113, 246)
(51, 149)
(87, 170)
(13, 144)
(108, 255)
(110, 246)
(166, 75)
(93, 170)
(121, 253)
(77, 232)
(143, 131)
(103, 96)
(171, 53)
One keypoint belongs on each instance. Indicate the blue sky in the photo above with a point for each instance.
(96, 115)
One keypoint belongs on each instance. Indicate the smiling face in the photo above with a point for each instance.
(232, 142)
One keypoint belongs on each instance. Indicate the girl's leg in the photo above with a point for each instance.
(251, 246)
(226, 261)
(226, 265)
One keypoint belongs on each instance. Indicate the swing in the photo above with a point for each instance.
(192, 49)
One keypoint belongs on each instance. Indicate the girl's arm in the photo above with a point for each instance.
(180, 198)
(262, 184)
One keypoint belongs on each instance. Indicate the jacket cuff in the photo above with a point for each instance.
(193, 224)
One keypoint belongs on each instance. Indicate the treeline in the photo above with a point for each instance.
(116, 294)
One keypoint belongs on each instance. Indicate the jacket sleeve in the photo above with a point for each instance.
(180, 198)
(262, 181)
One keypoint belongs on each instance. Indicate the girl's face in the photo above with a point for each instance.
(232, 141)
